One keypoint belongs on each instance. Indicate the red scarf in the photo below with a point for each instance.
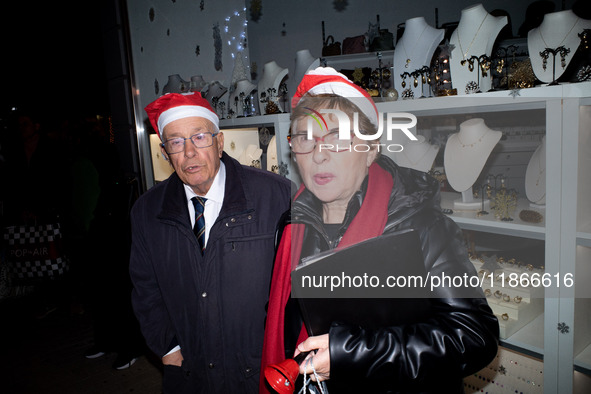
(368, 223)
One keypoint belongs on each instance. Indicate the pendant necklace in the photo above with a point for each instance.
(473, 143)
(464, 54)
(565, 37)
(407, 62)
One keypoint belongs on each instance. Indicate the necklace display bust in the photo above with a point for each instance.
(304, 62)
(243, 86)
(418, 155)
(197, 83)
(475, 36)
(271, 78)
(535, 176)
(250, 155)
(415, 50)
(465, 155)
(557, 29)
(215, 90)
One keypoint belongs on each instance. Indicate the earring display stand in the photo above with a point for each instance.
(545, 54)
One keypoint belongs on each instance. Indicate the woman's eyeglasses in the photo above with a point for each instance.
(301, 144)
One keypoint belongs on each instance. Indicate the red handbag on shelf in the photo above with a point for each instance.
(354, 45)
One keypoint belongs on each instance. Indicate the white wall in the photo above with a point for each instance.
(166, 45)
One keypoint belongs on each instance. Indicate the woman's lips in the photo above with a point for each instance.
(323, 178)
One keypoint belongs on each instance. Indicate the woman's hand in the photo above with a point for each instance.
(320, 359)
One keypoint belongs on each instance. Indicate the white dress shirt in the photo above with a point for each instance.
(213, 205)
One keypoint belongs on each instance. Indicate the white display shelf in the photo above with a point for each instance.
(469, 220)
(250, 121)
(357, 59)
(583, 359)
(584, 236)
(530, 337)
(532, 98)
(584, 239)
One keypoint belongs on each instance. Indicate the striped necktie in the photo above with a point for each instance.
(199, 227)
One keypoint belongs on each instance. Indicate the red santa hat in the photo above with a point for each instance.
(174, 106)
(326, 80)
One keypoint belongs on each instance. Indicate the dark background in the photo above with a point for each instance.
(53, 56)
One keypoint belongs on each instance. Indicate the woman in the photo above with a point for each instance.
(349, 195)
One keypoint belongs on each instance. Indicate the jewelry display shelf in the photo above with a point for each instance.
(470, 220)
(530, 338)
(496, 101)
(255, 120)
(280, 123)
(356, 60)
(561, 333)
(515, 306)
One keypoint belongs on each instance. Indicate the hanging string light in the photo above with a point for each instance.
(236, 42)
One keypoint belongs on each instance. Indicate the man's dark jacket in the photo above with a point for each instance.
(213, 305)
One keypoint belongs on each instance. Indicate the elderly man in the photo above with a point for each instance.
(202, 254)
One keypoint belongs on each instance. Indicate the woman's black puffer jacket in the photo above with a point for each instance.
(461, 335)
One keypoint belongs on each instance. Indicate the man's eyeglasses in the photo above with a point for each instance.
(301, 144)
(177, 145)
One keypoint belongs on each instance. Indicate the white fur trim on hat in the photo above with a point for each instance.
(186, 111)
(326, 80)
